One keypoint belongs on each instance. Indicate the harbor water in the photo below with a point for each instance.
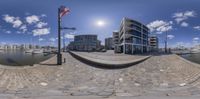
(20, 58)
(192, 57)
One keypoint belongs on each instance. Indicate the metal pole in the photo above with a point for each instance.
(63, 42)
(59, 55)
(166, 43)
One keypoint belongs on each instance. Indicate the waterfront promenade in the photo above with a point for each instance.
(159, 75)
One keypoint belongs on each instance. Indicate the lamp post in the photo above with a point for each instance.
(59, 55)
(166, 43)
(61, 12)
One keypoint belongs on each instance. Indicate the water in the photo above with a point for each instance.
(20, 58)
(192, 57)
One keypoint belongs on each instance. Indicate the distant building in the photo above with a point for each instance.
(109, 43)
(14, 46)
(153, 43)
(132, 37)
(7, 47)
(25, 46)
(116, 41)
(99, 46)
(84, 43)
(1, 47)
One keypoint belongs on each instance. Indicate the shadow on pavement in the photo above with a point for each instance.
(105, 66)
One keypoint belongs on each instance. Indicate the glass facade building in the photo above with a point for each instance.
(133, 37)
(84, 43)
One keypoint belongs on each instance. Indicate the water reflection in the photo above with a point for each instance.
(192, 57)
(20, 58)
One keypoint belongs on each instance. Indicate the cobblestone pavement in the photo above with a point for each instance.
(164, 75)
(109, 56)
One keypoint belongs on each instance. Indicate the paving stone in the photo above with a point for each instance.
(123, 94)
(105, 93)
(81, 93)
(79, 79)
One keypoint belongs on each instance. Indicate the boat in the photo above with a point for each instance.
(29, 51)
(37, 51)
(194, 51)
(47, 51)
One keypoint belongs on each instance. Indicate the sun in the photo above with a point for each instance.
(100, 23)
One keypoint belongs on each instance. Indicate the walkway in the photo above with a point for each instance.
(164, 75)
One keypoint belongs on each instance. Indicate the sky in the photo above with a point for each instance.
(35, 21)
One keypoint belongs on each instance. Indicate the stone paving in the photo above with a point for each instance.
(109, 59)
(161, 75)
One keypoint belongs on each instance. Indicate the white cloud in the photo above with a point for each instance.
(8, 32)
(60, 37)
(23, 28)
(190, 13)
(197, 27)
(18, 32)
(184, 24)
(3, 43)
(52, 39)
(43, 31)
(69, 36)
(195, 39)
(15, 21)
(32, 19)
(43, 15)
(170, 36)
(8, 18)
(41, 24)
(160, 26)
(41, 39)
(181, 16)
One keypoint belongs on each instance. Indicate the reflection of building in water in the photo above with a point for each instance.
(132, 37)
(1, 47)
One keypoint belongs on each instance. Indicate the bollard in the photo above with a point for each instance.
(64, 60)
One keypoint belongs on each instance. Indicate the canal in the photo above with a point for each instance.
(192, 57)
(20, 58)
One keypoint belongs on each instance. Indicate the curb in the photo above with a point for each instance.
(112, 65)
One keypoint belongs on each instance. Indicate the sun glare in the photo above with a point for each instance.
(100, 23)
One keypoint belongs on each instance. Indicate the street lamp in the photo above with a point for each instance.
(166, 42)
(61, 12)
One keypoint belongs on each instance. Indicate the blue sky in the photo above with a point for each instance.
(21, 21)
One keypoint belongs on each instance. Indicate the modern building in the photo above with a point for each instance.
(153, 43)
(25, 46)
(84, 43)
(132, 37)
(7, 46)
(1, 47)
(99, 46)
(14, 46)
(116, 41)
(109, 43)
